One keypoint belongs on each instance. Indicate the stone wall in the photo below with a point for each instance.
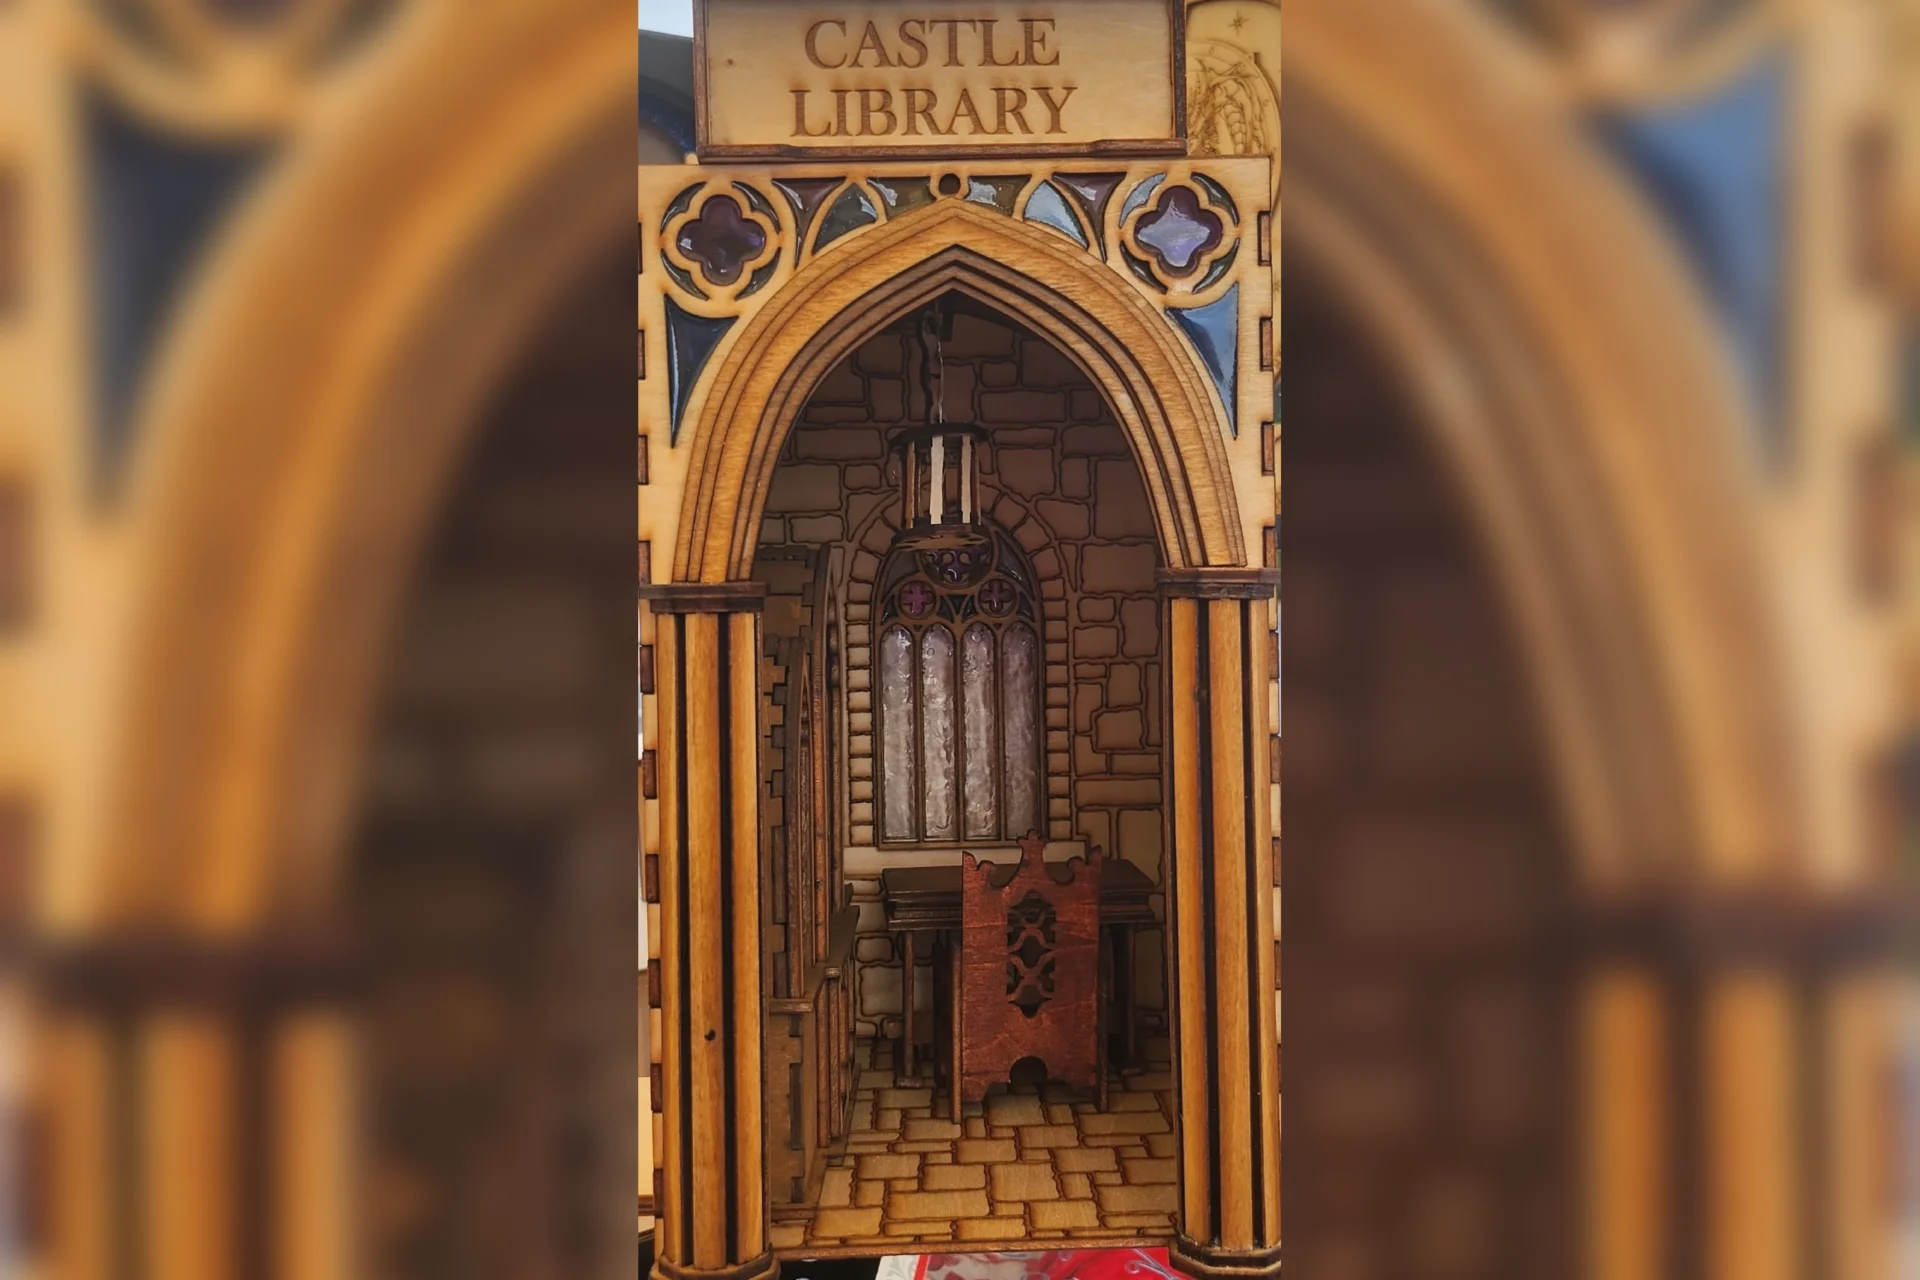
(1056, 474)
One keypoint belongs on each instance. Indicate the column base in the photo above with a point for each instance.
(1206, 1262)
(764, 1267)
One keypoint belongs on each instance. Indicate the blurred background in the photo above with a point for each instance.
(1602, 638)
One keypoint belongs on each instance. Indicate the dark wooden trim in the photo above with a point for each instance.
(705, 597)
(1193, 1258)
(1219, 584)
(1105, 148)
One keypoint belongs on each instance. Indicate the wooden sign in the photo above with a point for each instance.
(886, 79)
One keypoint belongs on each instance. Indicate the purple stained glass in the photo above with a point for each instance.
(916, 599)
(937, 744)
(1179, 232)
(978, 713)
(722, 240)
(898, 780)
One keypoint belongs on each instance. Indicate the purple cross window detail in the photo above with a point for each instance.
(1180, 232)
(722, 240)
(997, 597)
(916, 599)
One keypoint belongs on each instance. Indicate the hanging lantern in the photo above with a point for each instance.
(939, 469)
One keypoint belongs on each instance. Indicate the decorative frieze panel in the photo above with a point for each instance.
(717, 245)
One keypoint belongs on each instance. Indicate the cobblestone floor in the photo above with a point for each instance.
(1030, 1163)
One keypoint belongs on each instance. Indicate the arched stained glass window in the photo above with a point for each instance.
(959, 689)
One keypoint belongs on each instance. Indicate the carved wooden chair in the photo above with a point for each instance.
(1027, 980)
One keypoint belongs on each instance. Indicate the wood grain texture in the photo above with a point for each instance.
(992, 1032)
(713, 1172)
(1221, 902)
(1159, 392)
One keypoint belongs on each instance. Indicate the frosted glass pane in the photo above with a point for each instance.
(978, 715)
(937, 733)
(1020, 713)
(897, 783)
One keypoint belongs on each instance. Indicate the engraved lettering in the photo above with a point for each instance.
(1045, 94)
(876, 103)
(801, 129)
(870, 42)
(1010, 104)
(913, 40)
(987, 57)
(813, 44)
(919, 107)
(1037, 42)
(965, 107)
(953, 26)
(840, 112)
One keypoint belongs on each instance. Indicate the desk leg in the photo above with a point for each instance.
(904, 1073)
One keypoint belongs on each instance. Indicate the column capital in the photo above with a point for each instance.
(705, 597)
(1219, 584)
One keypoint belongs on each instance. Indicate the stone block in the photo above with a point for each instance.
(938, 1204)
(1064, 1215)
(1153, 1198)
(1097, 608)
(1044, 365)
(1140, 621)
(1023, 1181)
(1126, 567)
(1124, 685)
(875, 950)
(838, 443)
(1118, 730)
(1140, 837)
(1120, 505)
(1038, 1137)
(1076, 480)
(1101, 441)
(816, 528)
(1083, 1160)
(1027, 471)
(861, 477)
(882, 353)
(999, 373)
(842, 385)
(1124, 1122)
(1088, 405)
(985, 1150)
(1014, 1109)
(1096, 642)
(834, 1224)
(1066, 519)
(1149, 1171)
(1023, 407)
(887, 399)
(954, 1177)
(974, 337)
(930, 1129)
(889, 1166)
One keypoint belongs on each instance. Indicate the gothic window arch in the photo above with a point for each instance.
(960, 687)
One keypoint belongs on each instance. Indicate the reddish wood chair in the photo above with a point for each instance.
(1027, 981)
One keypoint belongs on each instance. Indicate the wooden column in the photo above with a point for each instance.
(1218, 633)
(711, 1196)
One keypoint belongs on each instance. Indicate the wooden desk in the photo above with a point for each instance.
(927, 900)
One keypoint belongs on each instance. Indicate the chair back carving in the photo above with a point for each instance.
(1029, 971)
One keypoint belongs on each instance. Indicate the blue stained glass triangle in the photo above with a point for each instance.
(690, 343)
(1214, 331)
